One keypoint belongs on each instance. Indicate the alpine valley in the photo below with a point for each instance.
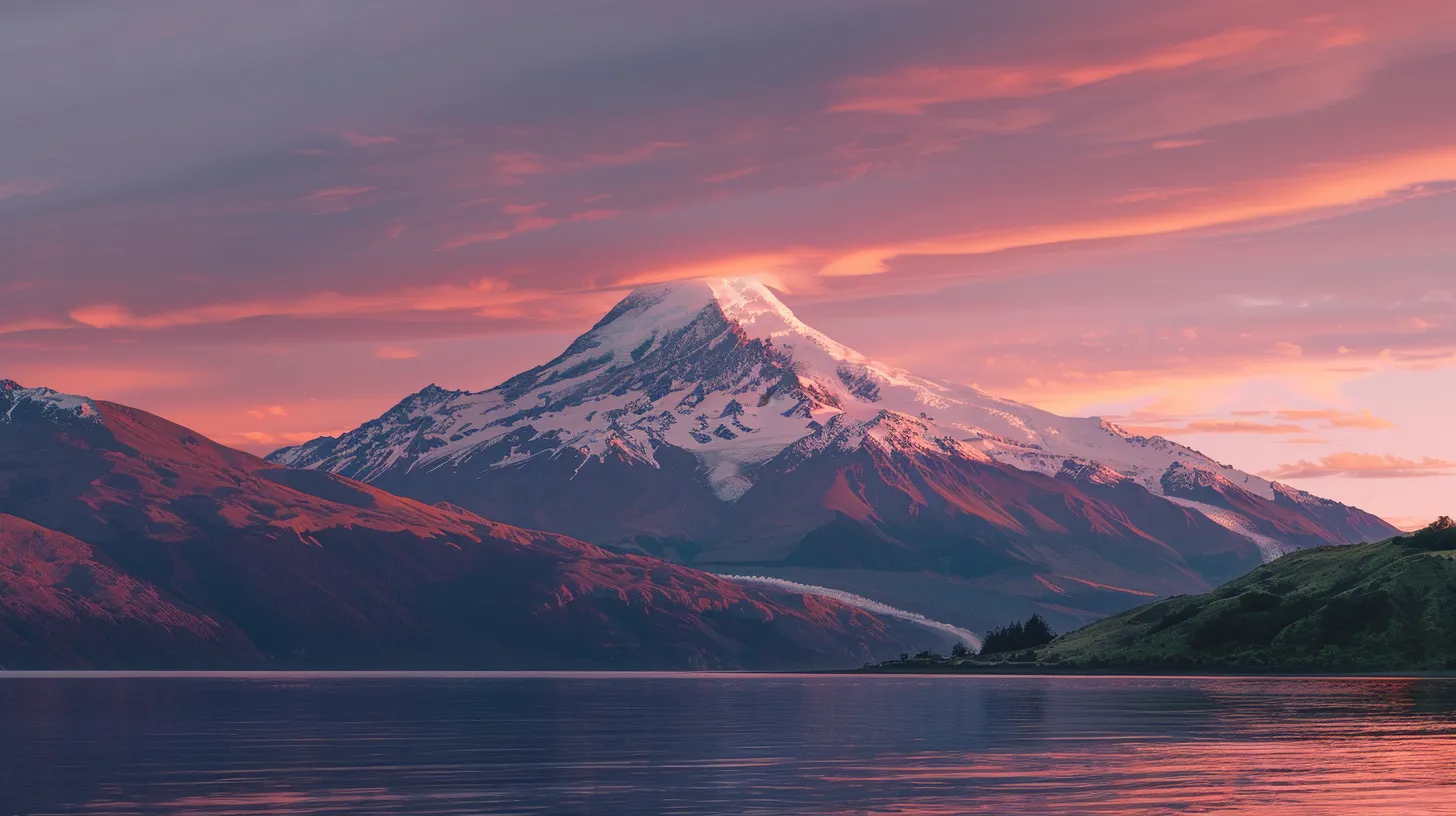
(129, 542)
(703, 423)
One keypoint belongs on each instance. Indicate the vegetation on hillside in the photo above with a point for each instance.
(1017, 636)
(1382, 607)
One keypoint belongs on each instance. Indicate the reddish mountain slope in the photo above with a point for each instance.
(61, 604)
(306, 568)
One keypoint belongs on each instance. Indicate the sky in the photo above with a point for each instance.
(1223, 221)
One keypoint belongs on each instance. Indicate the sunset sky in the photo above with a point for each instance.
(1229, 222)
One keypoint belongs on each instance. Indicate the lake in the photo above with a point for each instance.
(724, 744)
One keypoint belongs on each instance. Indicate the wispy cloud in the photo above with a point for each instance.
(1368, 181)
(363, 140)
(1363, 466)
(633, 155)
(1334, 419)
(1177, 144)
(15, 189)
(912, 90)
(1218, 426)
(332, 193)
(395, 353)
(481, 296)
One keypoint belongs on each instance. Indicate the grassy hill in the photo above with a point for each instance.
(1382, 607)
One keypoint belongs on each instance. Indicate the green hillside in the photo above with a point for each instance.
(1382, 607)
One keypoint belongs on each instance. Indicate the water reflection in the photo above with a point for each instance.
(727, 745)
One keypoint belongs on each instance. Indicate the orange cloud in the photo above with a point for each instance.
(911, 90)
(1344, 37)
(1142, 194)
(395, 353)
(483, 294)
(14, 189)
(1319, 190)
(1363, 466)
(1177, 144)
(267, 411)
(1338, 419)
(1221, 426)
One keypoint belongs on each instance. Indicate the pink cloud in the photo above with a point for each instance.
(1333, 419)
(1143, 194)
(512, 165)
(395, 353)
(1214, 426)
(481, 296)
(1363, 466)
(333, 193)
(912, 90)
(1177, 144)
(362, 140)
(633, 155)
(15, 189)
(730, 175)
(522, 209)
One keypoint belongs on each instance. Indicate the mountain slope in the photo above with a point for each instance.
(703, 421)
(270, 566)
(62, 604)
(1389, 606)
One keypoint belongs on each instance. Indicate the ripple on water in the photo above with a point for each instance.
(695, 745)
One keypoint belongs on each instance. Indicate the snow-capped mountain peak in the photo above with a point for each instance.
(724, 370)
(50, 403)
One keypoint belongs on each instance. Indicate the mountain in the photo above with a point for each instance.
(1380, 607)
(703, 422)
(62, 604)
(127, 541)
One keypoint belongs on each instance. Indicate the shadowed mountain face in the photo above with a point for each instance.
(705, 423)
(63, 604)
(129, 541)
(1374, 607)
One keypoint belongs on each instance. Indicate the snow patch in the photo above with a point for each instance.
(860, 602)
(51, 403)
(1269, 548)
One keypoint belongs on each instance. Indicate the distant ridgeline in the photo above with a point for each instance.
(1384, 607)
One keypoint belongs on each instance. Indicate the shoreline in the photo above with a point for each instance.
(505, 674)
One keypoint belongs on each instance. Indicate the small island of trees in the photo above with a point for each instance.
(1001, 642)
(1018, 636)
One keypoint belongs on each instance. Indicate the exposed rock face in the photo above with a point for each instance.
(704, 422)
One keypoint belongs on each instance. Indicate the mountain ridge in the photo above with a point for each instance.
(127, 541)
(657, 428)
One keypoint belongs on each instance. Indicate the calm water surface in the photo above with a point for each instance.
(799, 746)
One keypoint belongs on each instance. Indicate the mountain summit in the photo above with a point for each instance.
(703, 421)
